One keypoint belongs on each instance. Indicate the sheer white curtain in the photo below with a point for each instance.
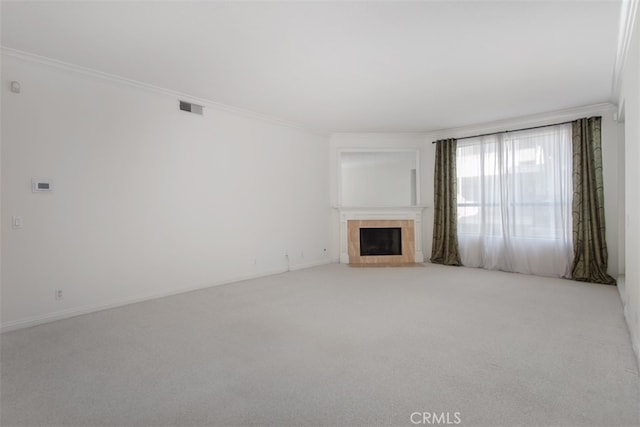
(514, 201)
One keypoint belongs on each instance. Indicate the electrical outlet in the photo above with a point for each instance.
(58, 294)
(16, 222)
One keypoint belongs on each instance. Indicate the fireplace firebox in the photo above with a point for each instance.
(380, 241)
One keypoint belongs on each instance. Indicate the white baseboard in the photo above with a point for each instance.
(635, 343)
(309, 264)
(73, 312)
(635, 337)
(634, 331)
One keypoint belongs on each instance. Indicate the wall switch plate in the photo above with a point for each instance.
(16, 222)
(59, 294)
(41, 185)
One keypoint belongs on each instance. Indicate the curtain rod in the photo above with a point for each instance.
(505, 131)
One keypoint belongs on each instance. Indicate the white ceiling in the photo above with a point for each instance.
(342, 66)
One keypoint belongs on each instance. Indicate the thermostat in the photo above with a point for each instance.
(39, 185)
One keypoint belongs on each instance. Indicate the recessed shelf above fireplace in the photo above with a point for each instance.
(378, 177)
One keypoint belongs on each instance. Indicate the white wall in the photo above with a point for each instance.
(630, 101)
(148, 200)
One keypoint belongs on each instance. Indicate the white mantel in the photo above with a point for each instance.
(380, 213)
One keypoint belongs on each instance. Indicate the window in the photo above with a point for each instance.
(514, 201)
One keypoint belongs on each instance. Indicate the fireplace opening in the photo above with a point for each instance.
(381, 241)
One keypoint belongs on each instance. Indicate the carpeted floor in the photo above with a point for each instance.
(335, 345)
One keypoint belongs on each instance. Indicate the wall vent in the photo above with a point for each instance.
(191, 108)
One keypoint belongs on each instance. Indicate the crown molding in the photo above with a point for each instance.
(90, 72)
(525, 121)
(628, 13)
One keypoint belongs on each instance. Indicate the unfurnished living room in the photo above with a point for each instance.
(320, 213)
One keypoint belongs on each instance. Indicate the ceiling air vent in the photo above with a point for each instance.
(191, 108)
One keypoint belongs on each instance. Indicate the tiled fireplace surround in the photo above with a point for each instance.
(409, 219)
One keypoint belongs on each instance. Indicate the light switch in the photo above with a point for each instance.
(39, 185)
(16, 222)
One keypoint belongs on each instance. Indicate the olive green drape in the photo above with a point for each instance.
(589, 245)
(445, 216)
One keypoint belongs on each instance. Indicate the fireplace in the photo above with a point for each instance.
(376, 241)
(382, 242)
(407, 219)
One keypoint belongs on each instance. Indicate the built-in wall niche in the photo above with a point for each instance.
(379, 178)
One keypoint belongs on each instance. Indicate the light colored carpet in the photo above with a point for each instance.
(334, 345)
